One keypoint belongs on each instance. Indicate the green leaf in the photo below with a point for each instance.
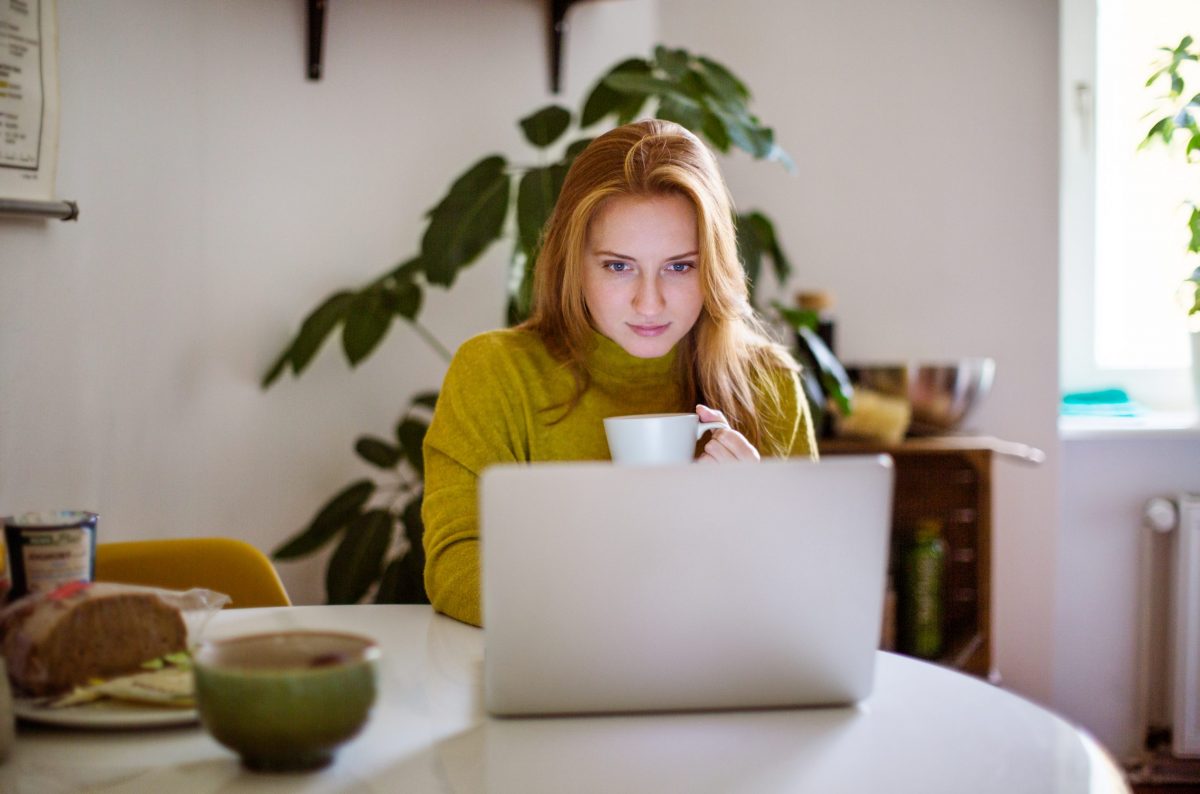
(751, 252)
(1194, 226)
(389, 582)
(695, 88)
(467, 220)
(731, 90)
(276, 369)
(756, 239)
(779, 155)
(1176, 85)
(763, 139)
(744, 133)
(536, 195)
(764, 231)
(403, 298)
(337, 512)
(414, 526)
(797, 318)
(426, 399)
(628, 83)
(411, 435)
(714, 130)
(1159, 130)
(406, 270)
(631, 108)
(358, 559)
(403, 582)
(378, 452)
(546, 125)
(367, 321)
(810, 379)
(673, 62)
(318, 325)
(689, 114)
(1193, 145)
(833, 375)
(520, 284)
(604, 100)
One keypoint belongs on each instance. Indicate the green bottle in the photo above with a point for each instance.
(923, 567)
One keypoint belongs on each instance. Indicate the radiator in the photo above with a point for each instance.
(1179, 519)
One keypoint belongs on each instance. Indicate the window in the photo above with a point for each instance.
(1124, 229)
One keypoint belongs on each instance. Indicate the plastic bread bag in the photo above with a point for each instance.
(81, 632)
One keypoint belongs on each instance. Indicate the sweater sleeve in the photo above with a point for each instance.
(476, 423)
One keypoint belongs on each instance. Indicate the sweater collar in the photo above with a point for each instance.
(609, 359)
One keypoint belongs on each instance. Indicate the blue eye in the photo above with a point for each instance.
(680, 267)
(617, 267)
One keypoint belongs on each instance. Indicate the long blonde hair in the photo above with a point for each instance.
(727, 358)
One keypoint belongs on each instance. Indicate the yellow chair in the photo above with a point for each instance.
(228, 566)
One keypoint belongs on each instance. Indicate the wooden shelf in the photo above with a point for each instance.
(918, 445)
(948, 478)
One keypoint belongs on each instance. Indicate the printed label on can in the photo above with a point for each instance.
(5, 575)
(56, 557)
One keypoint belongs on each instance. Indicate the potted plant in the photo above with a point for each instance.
(1177, 126)
(488, 197)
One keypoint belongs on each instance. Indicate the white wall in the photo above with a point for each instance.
(223, 195)
(926, 138)
(1105, 484)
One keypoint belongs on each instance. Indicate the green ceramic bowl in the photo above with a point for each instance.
(286, 701)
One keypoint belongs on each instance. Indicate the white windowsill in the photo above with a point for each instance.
(1178, 425)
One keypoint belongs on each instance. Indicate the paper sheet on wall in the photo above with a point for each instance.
(28, 99)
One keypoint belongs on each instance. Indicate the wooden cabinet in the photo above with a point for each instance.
(948, 478)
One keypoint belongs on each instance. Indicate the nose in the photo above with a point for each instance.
(648, 300)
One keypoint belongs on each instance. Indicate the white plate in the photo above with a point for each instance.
(104, 714)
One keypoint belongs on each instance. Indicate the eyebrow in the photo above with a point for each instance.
(634, 259)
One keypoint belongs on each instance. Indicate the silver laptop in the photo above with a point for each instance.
(683, 587)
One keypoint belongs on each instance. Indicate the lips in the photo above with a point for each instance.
(649, 330)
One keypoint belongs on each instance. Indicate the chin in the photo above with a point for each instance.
(642, 347)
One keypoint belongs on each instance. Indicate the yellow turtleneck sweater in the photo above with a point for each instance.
(490, 411)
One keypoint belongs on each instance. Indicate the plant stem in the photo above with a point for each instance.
(433, 342)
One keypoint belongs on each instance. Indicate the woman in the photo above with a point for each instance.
(640, 306)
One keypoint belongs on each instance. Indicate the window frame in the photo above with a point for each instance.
(1165, 389)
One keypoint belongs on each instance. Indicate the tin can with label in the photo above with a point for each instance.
(5, 567)
(47, 550)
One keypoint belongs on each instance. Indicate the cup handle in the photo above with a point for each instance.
(706, 426)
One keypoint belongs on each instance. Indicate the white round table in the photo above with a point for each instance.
(925, 729)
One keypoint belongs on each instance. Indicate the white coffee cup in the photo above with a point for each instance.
(655, 439)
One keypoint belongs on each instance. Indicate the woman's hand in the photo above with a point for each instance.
(725, 445)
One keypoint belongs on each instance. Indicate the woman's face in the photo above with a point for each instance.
(639, 273)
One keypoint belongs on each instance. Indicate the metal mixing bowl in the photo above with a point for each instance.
(942, 395)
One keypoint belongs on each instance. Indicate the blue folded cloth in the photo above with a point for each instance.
(1102, 402)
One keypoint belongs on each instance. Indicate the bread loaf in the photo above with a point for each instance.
(55, 642)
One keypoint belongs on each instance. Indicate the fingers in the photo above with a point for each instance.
(724, 445)
(707, 414)
(728, 446)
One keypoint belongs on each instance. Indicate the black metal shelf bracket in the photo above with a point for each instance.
(316, 37)
(558, 29)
